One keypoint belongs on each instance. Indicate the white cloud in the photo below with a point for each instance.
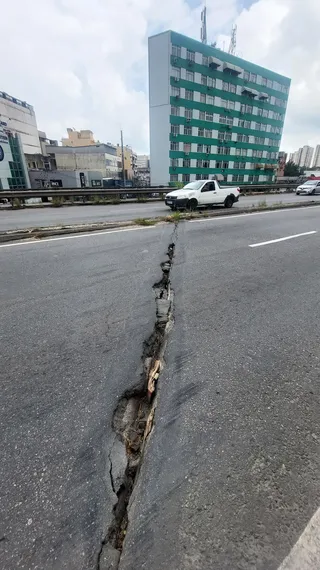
(84, 64)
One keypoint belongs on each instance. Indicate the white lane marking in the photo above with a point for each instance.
(282, 239)
(77, 236)
(305, 555)
(231, 217)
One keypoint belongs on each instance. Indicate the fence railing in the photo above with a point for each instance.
(143, 192)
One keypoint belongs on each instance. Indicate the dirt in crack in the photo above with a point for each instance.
(133, 417)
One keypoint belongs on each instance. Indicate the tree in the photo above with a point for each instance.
(292, 169)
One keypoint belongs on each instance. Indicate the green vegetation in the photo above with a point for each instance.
(142, 199)
(292, 169)
(57, 201)
(262, 204)
(144, 222)
(16, 204)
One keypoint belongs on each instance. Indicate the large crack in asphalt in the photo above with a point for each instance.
(133, 418)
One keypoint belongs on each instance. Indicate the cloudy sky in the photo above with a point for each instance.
(83, 63)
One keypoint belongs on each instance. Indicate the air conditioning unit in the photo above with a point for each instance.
(177, 97)
(186, 153)
(190, 63)
(176, 79)
(188, 120)
(175, 60)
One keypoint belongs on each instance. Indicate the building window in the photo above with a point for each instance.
(257, 153)
(204, 80)
(263, 127)
(190, 55)
(207, 149)
(211, 82)
(227, 104)
(190, 76)
(226, 120)
(209, 117)
(229, 87)
(206, 164)
(185, 177)
(189, 95)
(186, 163)
(225, 165)
(202, 97)
(244, 124)
(173, 177)
(246, 109)
(237, 178)
(187, 147)
(246, 75)
(219, 164)
(187, 131)
(253, 77)
(200, 148)
(175, 91)
(259, 140)
(223, 150)
(205, 60)
(174, 162)
(202, 116)
(210, 100)
(188, 113)
(175, 130)
(208, 133)
(175, 111)
(176, 51)
(199, 163)
(176, 72)
(241, 152)
(174, 145)
(224, 136)
(264, 81)
(200, 132)
(269, 83)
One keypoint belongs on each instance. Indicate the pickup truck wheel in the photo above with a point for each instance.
(192, 204)
(229, 201)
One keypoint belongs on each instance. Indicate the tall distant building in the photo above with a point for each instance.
(78, 138)
(303, 156)
(306, 156)
(316, 158)
(211, 113)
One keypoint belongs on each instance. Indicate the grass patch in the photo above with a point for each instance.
(57, 201)
(142, 199)
(16, 204)
(144, 222)
(262, 204)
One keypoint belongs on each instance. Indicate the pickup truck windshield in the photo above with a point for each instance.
(194, 185)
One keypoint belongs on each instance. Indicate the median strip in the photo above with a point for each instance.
(37, 234)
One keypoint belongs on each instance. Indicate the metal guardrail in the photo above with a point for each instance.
(65, 192)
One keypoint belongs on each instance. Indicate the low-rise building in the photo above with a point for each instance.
(78, 138)
(130, 161)
(65, 179)
(98, 158)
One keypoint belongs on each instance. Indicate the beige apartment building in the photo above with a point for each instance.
(78, 138)
(130, 161)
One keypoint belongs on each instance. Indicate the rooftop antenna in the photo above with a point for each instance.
(203, 31)
(233, 40)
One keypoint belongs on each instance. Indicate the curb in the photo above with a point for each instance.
(39, 233)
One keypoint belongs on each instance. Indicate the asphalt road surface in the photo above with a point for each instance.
(15, 219)
(230, 477)
(74, 316)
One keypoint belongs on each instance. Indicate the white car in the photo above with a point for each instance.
(202, 193)
(309, 187)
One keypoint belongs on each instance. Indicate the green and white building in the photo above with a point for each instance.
(212, 113)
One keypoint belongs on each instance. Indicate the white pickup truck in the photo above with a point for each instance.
(202, 193)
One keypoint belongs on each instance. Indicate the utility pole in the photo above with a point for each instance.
(203, 31)
(122, 155)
